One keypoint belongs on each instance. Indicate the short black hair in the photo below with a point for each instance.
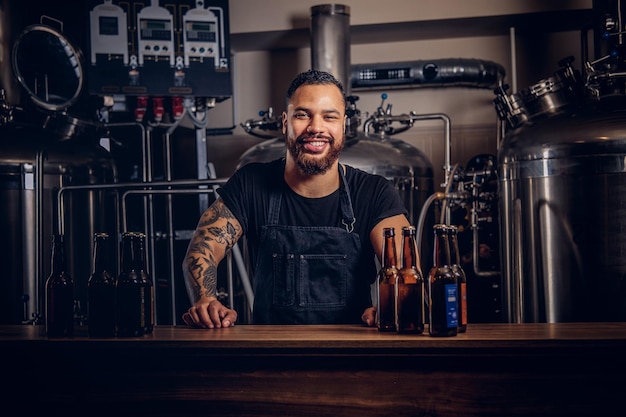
(314, 77)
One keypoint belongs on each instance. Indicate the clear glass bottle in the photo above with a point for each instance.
(410, 287)
(387, 277)
(59, 294)
(442, 288)
(101, 291)
(461, 279)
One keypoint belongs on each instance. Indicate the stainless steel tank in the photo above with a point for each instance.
(563, 199)
(562, 193)
(42, 149)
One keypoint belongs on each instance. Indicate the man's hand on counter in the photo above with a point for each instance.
(369, 316)
(211, 315)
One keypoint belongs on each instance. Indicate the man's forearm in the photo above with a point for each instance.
(217, 232)
(200, 276)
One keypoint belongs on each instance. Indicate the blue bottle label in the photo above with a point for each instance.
(451, 305)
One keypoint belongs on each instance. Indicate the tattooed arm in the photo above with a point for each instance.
(217, 231)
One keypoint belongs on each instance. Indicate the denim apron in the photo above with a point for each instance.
(307, 275)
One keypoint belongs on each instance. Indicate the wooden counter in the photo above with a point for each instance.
(492, 370)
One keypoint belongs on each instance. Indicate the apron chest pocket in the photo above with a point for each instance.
(310, 281)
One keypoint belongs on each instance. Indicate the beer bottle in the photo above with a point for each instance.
(387, 277)
(442, 289)
(59, 294)
(410, 287)
(129, 291)
(461, 279)
(147, 293)
(101, 291)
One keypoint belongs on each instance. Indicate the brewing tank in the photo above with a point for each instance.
(34, 165)
(562, 190)
(562, 198)
(43, 149)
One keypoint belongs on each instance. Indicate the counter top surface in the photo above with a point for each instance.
(499, 370)
(352, 336)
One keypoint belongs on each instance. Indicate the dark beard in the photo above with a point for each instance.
(318, 166)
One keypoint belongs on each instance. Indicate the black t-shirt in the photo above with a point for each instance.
(247, 195)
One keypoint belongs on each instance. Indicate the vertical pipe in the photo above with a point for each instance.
(330, 41)
(513, 60)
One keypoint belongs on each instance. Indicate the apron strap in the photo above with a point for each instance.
(347, 213)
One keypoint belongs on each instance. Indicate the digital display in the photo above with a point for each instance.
(201, 31)
(156, 30)
(108, 25)
(385, 74)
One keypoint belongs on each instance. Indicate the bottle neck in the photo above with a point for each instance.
(58, 255)
(139, 253)
(100, 255)
(454, 249)
(389, 252)
(409, 252)
(127, 261)
(442, 249)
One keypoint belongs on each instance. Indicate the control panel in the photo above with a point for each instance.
(175, 48)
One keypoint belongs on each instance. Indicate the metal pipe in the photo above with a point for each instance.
(330, 41)
(422, 217)
(39, 220)
(170, 221)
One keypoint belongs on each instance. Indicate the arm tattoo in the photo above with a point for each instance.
(216, 229)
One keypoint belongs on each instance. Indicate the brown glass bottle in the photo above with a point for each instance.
(147, 294)
(129, 291)
(101, 291)
(409, 287)
(461, 279)
(59, 294)
(442, 289)
(387, 277)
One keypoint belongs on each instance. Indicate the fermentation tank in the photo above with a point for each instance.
(43, 148)
(562, 188)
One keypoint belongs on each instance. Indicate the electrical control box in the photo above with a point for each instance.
(159, 48)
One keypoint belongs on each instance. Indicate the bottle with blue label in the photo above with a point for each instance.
(442, 288)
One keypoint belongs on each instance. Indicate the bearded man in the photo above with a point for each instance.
(313, 226)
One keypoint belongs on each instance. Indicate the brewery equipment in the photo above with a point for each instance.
(41, 151)
(561, 167)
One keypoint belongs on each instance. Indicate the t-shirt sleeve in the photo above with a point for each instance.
(235, 193)
(375, 198)
(387, 200)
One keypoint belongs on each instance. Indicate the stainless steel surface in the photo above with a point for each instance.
(563, 193)
(330, 41)
(562, 188)
(34, 165)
